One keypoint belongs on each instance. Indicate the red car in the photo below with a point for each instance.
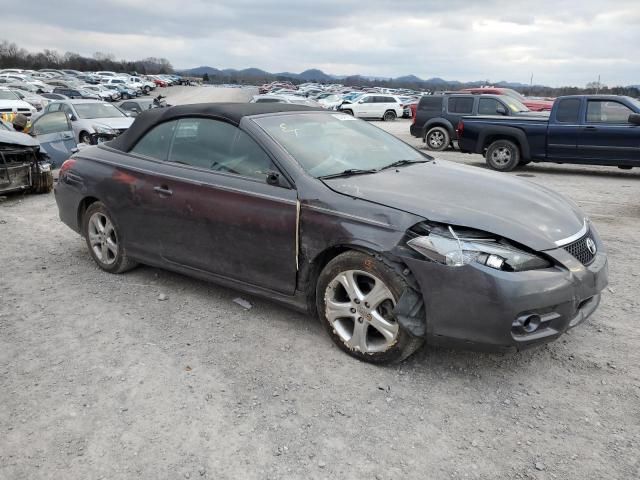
(535, 105)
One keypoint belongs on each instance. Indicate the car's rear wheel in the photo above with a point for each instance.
(348, 112)
(356, 295)
(437, 139)
(503, 155)
(389, 116)
(104, 240)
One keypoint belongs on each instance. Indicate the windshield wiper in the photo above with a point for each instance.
(401, 163)
(350, 171)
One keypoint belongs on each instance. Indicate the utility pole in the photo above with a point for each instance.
(531, 84)
(598, 86)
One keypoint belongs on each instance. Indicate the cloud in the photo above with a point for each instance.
(561, 42)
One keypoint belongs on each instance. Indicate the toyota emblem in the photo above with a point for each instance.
(591, 246)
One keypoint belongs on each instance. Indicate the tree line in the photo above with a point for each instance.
(13, 56)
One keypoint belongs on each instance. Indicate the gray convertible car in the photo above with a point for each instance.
(333, 216)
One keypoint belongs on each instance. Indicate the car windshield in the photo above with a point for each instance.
(513, 93)
(328, 144)
(515, 105)
(635, 102)
(97, 110)
(8, 95)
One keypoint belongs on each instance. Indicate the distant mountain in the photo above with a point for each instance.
(316, 75)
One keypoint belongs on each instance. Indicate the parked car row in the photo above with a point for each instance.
(38, 87)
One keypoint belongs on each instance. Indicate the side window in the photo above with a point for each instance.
(430, 103)
(390, 100)
(606, 111)
(219, 146)
(54, 107)
(156, 142)
(462, 105)
(568, 110)
(489, 106)
(55, 122)
(369, 99)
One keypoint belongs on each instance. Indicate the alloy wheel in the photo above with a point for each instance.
(436, 139)
(501, 156)
(103, 238)
(359, 307)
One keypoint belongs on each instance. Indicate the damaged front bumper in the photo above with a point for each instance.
(21, 169)
(479, 307)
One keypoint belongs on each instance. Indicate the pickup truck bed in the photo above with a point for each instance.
(587, 129)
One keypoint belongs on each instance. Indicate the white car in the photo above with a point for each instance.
(102, 91)
(330, 101)
(145, 85)
(374, 105)
(11, 105)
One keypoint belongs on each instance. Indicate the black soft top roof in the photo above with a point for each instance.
(229, 112)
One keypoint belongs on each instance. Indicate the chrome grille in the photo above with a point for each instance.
(580, 250)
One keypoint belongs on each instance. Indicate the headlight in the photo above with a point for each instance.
(103, 129)
(464, 246)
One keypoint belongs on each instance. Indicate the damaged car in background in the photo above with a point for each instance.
(388, 246)
(23, 165)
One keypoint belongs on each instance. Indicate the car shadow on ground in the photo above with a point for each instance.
(438, 361)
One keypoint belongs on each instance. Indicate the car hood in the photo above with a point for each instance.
(15, 104)
(494, 202)
(18, 138)
(116, 122)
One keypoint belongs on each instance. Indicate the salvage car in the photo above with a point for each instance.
(91, 116)
(23, 166)
(387, 245)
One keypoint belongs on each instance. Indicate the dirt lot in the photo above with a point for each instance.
(101, 379)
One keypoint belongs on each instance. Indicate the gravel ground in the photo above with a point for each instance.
(99, 378)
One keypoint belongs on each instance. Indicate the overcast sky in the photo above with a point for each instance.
(561, 42)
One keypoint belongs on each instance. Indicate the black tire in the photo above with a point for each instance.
(42, 182)
(437, 139)
(348, 112)
(503, 155)
(402, 345)
(389, 116)
(84, 137)
(121, 262)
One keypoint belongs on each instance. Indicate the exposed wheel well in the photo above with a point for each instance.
(82, 208)
(309, 278)
(489, 140)
(431, 126)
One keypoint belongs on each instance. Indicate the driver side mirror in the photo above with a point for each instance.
(501, 111)
(275, 179)
(634, 118)
(72, 117)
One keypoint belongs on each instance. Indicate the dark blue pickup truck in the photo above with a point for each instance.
(587, 129)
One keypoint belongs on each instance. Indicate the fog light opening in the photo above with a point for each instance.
(531, 323)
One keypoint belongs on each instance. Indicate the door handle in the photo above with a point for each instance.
(163, 191)
(590, 128)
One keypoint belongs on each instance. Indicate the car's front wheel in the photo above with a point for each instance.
(356, 295)
(104, 240)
